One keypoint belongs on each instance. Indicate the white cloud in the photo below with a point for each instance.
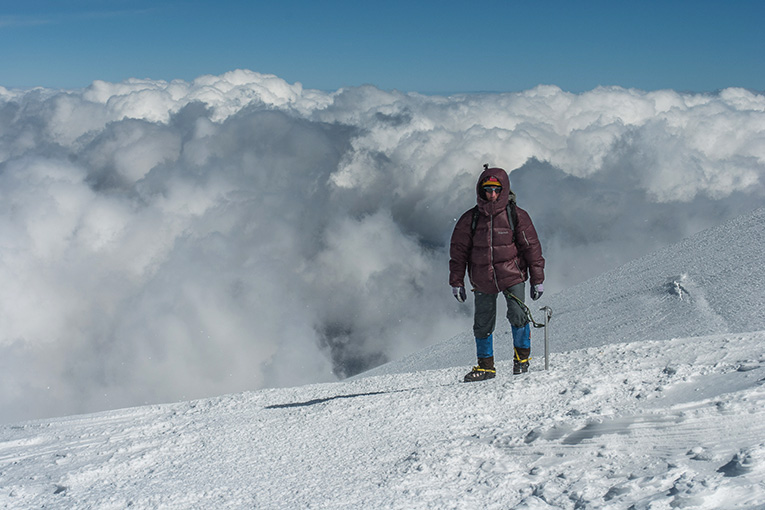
(165, 240)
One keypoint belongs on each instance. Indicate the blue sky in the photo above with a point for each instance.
(427, 46)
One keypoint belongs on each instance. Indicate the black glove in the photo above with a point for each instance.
(536, 291)
(459, 293)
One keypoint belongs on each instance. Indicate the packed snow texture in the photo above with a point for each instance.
(650, 423)
(162, 241)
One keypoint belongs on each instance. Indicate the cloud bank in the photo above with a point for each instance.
(172, 240)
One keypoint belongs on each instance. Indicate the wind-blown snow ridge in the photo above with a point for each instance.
(653, 423)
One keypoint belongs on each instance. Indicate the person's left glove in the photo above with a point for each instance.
(536, 291)
(460, 293)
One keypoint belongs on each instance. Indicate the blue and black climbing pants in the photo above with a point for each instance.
(485, 319)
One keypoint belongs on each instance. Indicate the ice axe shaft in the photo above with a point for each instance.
(548, 316)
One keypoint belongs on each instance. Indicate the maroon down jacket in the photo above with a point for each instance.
(493, 261)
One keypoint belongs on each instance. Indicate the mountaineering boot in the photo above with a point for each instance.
(521, 360)
(484, 370)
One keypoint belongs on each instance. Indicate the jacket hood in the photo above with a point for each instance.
(505, 196)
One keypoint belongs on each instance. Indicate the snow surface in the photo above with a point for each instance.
(675, 418)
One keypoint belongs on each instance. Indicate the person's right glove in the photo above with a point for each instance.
(536, 291)
(460, 293)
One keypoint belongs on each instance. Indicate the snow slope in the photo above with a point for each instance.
(712, 282)
(671, 420)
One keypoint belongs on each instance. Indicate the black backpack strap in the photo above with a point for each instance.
(473, 224)
(512, 216)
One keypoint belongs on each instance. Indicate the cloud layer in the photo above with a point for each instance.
(169, 240)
